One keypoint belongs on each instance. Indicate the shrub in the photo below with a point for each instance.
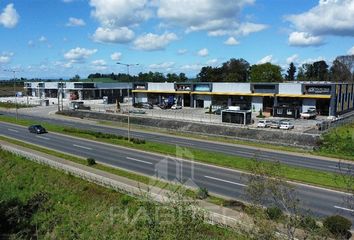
(274, 213)
(337, 225)
(309, 223)
(91, 161)
(203, 193)
(137, 141)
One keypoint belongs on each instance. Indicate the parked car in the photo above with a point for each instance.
(287, 125)
(147, 106)
(275, 124)
(137, 111)
(310, 114)
(38, 129)
(175, 107)
(264, 123)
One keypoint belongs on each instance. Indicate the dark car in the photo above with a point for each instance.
(38, 129)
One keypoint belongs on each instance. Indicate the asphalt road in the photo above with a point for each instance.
(226, 182)
(236, 150)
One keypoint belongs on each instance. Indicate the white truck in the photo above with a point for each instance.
(311, 113)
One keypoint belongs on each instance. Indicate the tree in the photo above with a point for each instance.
(267, 187)
(76, 78)
(348, 61)
(290, 76)
(321, 70)
(235, 70)
(182, 77)
(209, 74)
(301, 74)
(266, 72)
(339, 72)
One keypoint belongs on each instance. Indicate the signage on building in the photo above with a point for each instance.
(318, 89)
(202, 88)
(183, 87)
(140, 87)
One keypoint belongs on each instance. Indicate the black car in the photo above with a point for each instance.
(38, 129)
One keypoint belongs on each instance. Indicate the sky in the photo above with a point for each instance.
(62, 38)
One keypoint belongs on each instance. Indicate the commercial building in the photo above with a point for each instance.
(79, 90)
(277, 99)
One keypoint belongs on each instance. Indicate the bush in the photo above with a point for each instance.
(203, 193)
(137, 141)
(337, 225)
(274, 213)
(91, 161)
(309, 223)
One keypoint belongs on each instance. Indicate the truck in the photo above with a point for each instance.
(311, 113)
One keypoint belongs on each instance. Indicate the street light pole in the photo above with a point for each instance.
(128, 66)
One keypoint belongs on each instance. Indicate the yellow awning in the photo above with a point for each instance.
(160, 91)
(305, 96)
(235, 94)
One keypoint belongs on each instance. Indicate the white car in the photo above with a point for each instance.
(175, 106)
(286, 125)
(263, 123)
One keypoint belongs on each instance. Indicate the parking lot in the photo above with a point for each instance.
(185, 114)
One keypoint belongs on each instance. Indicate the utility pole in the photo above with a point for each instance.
(128, 66)
(14, 79)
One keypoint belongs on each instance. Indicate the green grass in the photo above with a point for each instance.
(13, 105)
(44, 203)
(297, 174)
(338, 142)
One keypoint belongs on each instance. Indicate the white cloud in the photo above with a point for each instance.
(212, 61)
(203, 52)
(351, 51)
(182, 51)
(303, 39)
(116, 56)
(42, 39)
(166, 66)
(215, 17)
(6, 57)
(312, 60)
(120, 13)
(292, 59)
(9, 17)
(30, 43)
(99, 64)
(79, 54)
(116, 35)
(231, 41)
(329, 17)
(266, 59)
(192, 67)
(75, 22)
(153, 42)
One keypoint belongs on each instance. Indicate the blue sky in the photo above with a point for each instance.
(61, 38)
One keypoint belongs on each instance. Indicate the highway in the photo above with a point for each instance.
(222, 181)
(297, 160)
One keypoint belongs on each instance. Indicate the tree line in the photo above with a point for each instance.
(240, 70)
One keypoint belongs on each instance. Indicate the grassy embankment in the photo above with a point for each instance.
(339, 142)
(42, 203)
(304, 175)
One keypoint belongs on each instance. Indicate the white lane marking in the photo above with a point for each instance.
(341, 168)
(45, 138)
(345, 209)
(87, 148)
(137, 160)
(222, 180)
(12, 130)
(184, 143)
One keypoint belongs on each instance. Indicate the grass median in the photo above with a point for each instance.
(297, 174)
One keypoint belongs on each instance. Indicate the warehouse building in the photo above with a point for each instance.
(277, 99)
(79, 90)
